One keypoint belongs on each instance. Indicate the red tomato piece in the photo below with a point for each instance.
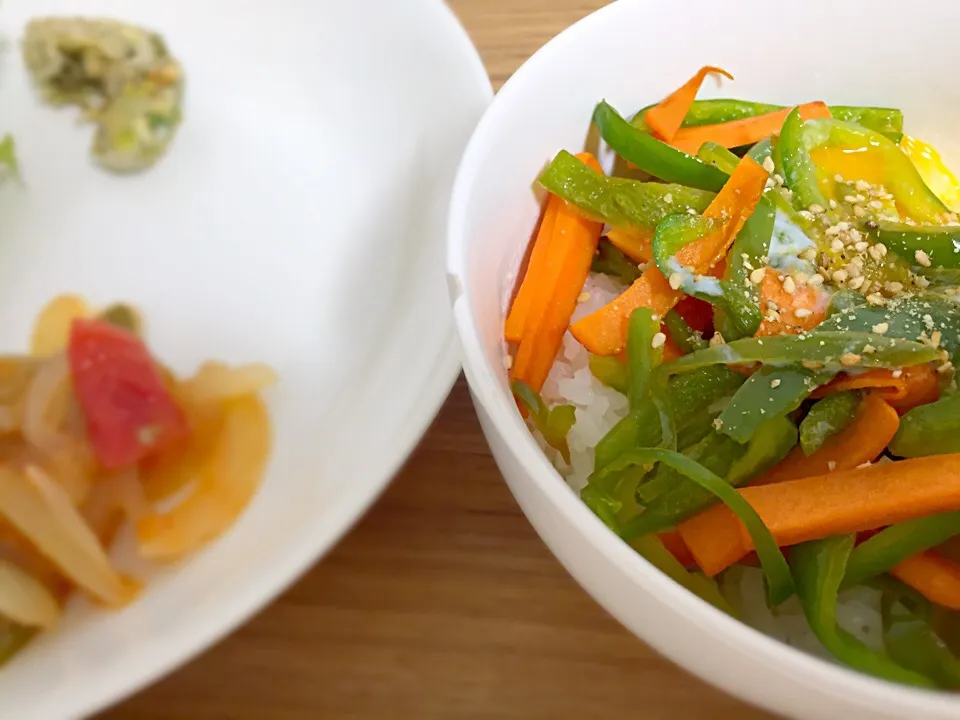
(129, 413)
(697, 314)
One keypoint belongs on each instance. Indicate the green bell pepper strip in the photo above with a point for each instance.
(826, 418)
(612, 261)
(718, 156)
(674, 503)
(652, 156)
(691, 394)
(888, 121)
(714, 451)
(768, 393)
(775, 568)
(761, 151)
(611, 371)
(653, 551)
(823, 347)
(910, 639)
(602, 504)
(902, 179)
(642, 357)
(675, 231)
(8, 157)
(553, 423)
(818, 568)
(843, 300)
(683, 336)
(893, 545)
(931, 429)
(618, 201)
(909, 318)
(940, 244)
(749, 251)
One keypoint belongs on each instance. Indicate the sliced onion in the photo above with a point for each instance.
(46, 404)
(215, 382)
(51, 332)
(130, 494)
(228, 481)
(24, 599)
(40, 509)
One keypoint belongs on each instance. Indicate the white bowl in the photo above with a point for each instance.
(297, 219)
(632, 53)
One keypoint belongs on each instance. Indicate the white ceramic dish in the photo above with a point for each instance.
(298, 219)
(632, 53)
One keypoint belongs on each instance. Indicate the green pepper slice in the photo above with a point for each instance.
(930, 246)
(799, 138)
(775, 568)
(643, 357)
(612, 261)
(676, 500)
(553, 423)
(683, 336)
(826, 418)
(652, 156)
(818, 568)
(931, 429)
(714, 451)
(611, 371)
(894, 544)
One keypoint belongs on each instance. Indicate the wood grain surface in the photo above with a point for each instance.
(442, 602)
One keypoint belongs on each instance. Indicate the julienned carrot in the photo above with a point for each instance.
(665, 118)
(571, 249)
(517, 317)
(802, 309)
(635, 243)
(862, 441)
(904, 389)
(934, 577)
(837, 503)
(747, 131)
(604, 332)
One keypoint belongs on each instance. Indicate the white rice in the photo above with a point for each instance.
(598, 409)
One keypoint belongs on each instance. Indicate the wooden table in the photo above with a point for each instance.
(443, 602)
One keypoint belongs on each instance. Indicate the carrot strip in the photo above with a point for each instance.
(604, 331)
(747, 131)
(534, 276)
(567, 265)
(665, 118)
(678, 548)
(904, 389)
(862, 441)
(933, 576)
(833, 504)
(786, 321)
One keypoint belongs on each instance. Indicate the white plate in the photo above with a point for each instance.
(298, 219)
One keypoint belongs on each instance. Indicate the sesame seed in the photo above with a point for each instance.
(811, 364)
(928, 321)
(778, 179)
(921, 281)
(850, 359)
(850, 199)
(881, 328)
(717, 422)
(837, 245)
(658, 340)
(862, 186)
(816, 209)
(809, 253)
(583, 297)
(922, 258)
(863, 465)
(893, 287)
(756, 277)
(815, 280)
(691, 211)
(676, 280)
(805, 214)
(857, 282)
(897, 373)
(838, 177)
(775, 383)
(876, 299)
(859, 211)
(800, 278)
(945, 368)
(869, 349)
(771, 305)
(876, 204)
(831, 465)
(668, 198)
(789, 286)
(839, 276)
(861, 246)
(935, 338)
(803, 312)
(717, 339)
(833, 204)
(768, 164)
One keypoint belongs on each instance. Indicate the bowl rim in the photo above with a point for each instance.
(483, 378)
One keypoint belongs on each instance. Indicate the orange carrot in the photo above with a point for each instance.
(862, 441)
(933, 576)
(604, 332)
(635, 243)
(665, 118)
(786, 321)
(571, 248)
(517, 317)
(746, 131)
(904, 389)
(833, 504)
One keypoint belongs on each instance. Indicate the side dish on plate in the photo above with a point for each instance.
(739, 347)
